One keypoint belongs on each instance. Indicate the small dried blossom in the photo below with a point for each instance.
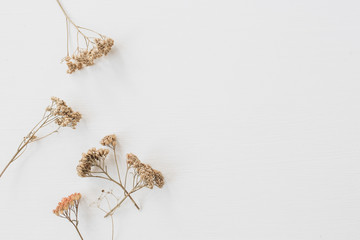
(67, 205)
(93, 158)
(149, 177)
(65, 116)
(68, 208)
(109, 141)
(84, 57)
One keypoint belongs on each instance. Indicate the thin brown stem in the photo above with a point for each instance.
(112, 220)
(67, 16)
(23, 144)
(67, 37)
(117, 166)
(126, 174)
(111, 212)
(55, 131)
(117, 183)
(126, 192)
(77, 229)
(92, 31)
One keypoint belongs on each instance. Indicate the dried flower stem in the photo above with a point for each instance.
(96, 47)
(67, 207)
(92, 164)
(66, 15)
(58, 112)
(77, 229)
(71, 21)
(111, 212)
(23, 145)
(104, 195)
(117, 165)
(109, 178)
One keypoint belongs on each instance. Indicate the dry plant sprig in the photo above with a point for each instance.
(108, 197)
(59, 113)
(68, 208)
(143, 175)
(92, 164)
(93, 47)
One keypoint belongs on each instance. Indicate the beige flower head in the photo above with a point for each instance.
(67, 204)
(148, 176)
(66, 117)
(86, 57)
(109, 141)
(93, 158)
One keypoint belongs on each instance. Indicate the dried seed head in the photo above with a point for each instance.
(133, 160)
(148, 176)
(109, 141)
(86, 57)
(69, 203)
(159, 179)
(66, 117)
(92, 158)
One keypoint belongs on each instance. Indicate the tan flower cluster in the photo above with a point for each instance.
(109, 141)
(66, 117)
(67, 204)
(85, 57)
(148, 176)
(93, 158)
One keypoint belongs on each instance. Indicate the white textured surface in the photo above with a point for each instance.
(250, 108)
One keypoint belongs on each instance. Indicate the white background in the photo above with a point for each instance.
(249, 108)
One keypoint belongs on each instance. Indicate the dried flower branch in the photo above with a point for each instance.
(59, 113)
(68, 208)
(91, 48)
(93, 164)
(143, 175)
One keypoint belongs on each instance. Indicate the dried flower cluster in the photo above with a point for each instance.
(93, 164)
(88, 48)
(109, 141)
(93, 158)
(84, 57)
(60, 114)
(66, 117)
(67, 205)
(148, 177)
(68, 208)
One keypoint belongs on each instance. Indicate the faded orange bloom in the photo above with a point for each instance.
(67, 203)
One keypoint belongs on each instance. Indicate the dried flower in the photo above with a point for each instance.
(66, 117)
(68, 208)
(147, 175)
(67, 204)
(158, 179)
(92, 49)
(109, 141)
(93, 164)
(59, 113)
(93, 158)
